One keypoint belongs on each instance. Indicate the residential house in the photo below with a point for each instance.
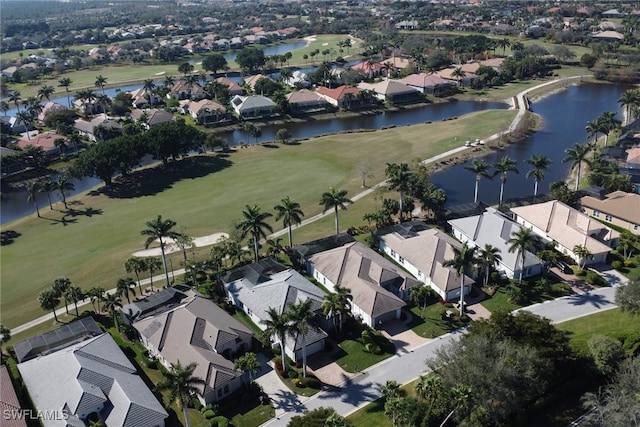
(89, 379)
(234, 88)
(298, 79)
(305, 100)
(376, 284)
(618, 208)
(140, 98)
(345, 97)
(608, 36)
(9, 403)
(408, 25)
(495, 229)
(47, 108)
(422, 251)
(151, 117)
(448, 74)
(397, 62)
(253, 106)
(568, 228)
(44, 140)
(207, 112)
(153, 303)
(258, 287)
(17, 125)
(428, 83)
(391, 91)
(198, 331)
(87, 128)
(252, 80)
(371, 69)
(182, 90)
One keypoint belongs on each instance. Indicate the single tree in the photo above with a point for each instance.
(153, 264)
(583, 254)
(399, 177)
(277, 325)
(608, 123)
(46, 92)
(463, 259)
(33, 188)
(390, 390)
(576, 156)
(301, 317)
(540, 165)
(593, 129)
(125, 286)
(480, 168)
(15, 98)
(505, 165)
(136, 266)
(184, 242)
(254, 224)
(65, 82)
(274, 247)
(100, 82)
(160, 230)
(181, 384)
(75, 294)
(249, 365)
(334, 199)
(290, 213)
(96, 294)
(459, 74)
(49, 301)
(60, 286)
(148, 86)
(111, 304)
(47, 186)
(64, 186)
(629, 99)
(521, 242)
(489, 257)
(4, 107)
(5, 336)
(628, 297)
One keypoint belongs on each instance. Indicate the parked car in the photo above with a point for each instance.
(564, 267)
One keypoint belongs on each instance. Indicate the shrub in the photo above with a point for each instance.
(197, 405)
(276, 350)
(617, 264)
(292, 373)
(312, 382)
(298, 382)
(595, 279)
(367, 337)
(220, 421)
(278, 364)
(373, 348)
(516, 296)
(151, 364)
(209, 414)
(629, 263)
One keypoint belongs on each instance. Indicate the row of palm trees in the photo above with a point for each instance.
(62, 184)
(605, 124)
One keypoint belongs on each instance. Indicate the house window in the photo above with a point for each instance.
(635, 227)
(596, 214)
(420, 274)
(401, 260)
(249, 311)
(226, 389)
(608, 218)
(393, 253)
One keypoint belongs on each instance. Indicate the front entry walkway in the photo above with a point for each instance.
(400, 335)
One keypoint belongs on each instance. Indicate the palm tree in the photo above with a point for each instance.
(334, 199)
(254, 224)
(628, 100)
(505, 165)
(520, 242)
(111, 304)
(336, 304)
(49, 301)
(277, 325)
(4, 107)
(290, 213)
(153, 264)
(64, 185)
(65, 82)
(583, 255)
(148, 87)
(540, 165)
(60, 286)
(593, 129)
(124, 287)
(169, 81)
(100, 82)
(489, 257)
(96, 294)
(399, 179)
(26, 119)
(576, 156)
(46, 92)
(181, 384)
(15, 98)
(32, 195)
(459, 74)
(160, 229)
(609, 123)
(480, 168)
(75, 294)
(136, 265)
(301, 316)
(274, 247)
(463, 259)
(47, 186)
(248, 364)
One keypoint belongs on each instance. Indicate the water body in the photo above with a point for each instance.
(565, 116)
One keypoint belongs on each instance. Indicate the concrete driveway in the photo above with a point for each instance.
(399, 334)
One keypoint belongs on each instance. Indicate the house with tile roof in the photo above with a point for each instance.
(87, 128)
(391, 91)
(254, 106)
(252, 80)
(422, 251)
(345, 97)
(152, 116)
(495, 229)
(608, 36)
(49, 107)
(207, 112)
(372, 69)
(10, 407)
(428, 83)
(568, 228)
(44, 140)
(448, 74)
(234, 88)
(307, 101)
(257, 287)
(198, 331)
(182, 90)
(618, 208)
(91, 379)
(375, 283)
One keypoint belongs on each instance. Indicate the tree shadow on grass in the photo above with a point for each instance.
(8, 236)
(151, 181)
(88, 212)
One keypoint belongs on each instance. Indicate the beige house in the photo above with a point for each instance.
(618, 208)
(568, 227)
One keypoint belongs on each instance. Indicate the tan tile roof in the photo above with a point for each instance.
(9, 400)
(619, 204)
(339, 92)
(567, 226)
(44, 140)
(387, 87)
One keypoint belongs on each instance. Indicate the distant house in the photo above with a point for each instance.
(198, 331)
(9, 403)
(371, 69)
(428, 83)
(495, 229)
(298, 79)
(345, 97)
(408, 25)
(152, 116)
(182, 90)
(423, 251)
(568, 227)
(307, 101)
(257, 287)
(87, 128)
(89, 378)
(254, 106)
(49, 107)
(618, 208)
(448, 74)
(207, 112)
(608, 36)
(252, 80)
(391, 91)
(234, 88)
(44, 140)
(375, 283)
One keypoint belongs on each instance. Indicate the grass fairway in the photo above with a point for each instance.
(206, 194)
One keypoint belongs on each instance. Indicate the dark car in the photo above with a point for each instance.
(564, 267)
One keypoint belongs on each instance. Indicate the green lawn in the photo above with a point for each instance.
(372, 415)
(428, 323)
(500, 300)
(206, 194)
(605, 322)
(352, 356)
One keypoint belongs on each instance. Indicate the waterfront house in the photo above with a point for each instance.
(253, 106)
(207, 112)
(44, 140)
(428, 83)
(305, 100)
(234, 88)
(344, 97)
(391, 91)
(151, 117)
(87, 128)
(618, 208)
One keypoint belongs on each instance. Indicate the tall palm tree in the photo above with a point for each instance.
(334, 199)
(47, 186)
(148, 87)
(254, 225)
(489, 257)
(60, 286)
(33, 188)
(46, 92)
(399, 179)
(583, 255)
(593, 129)
(111, 304)
(463, 259)
(26, 119)
(64, 185)
(609, 123)
(301, 316)
(290, 213)
(160, 229)
(15, 98)
(576, 156)
(480, 168)
(628, 100)
(4, 107)
(540, 165)
(277, 324)
(169, 81)
(505, 165)
(125, 286)
(520, 242)
(49, 301)
(100, 82)
(136, 265)
(65, 82)
(75, 294)
(181, 384)
(96, 294)
(459, 74)
(153, 263)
